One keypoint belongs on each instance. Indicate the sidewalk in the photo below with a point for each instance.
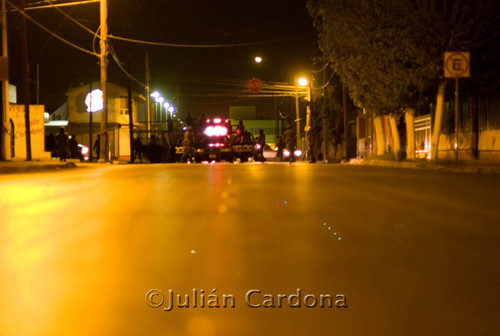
(461, 166)
(23, 166)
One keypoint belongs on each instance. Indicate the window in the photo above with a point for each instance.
(123, 105)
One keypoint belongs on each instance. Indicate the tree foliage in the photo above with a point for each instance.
(389, 53)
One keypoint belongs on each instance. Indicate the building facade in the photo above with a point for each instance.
(86, 125)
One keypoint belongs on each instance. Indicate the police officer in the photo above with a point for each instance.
(187, 143)
(261, 143)
(290, 140)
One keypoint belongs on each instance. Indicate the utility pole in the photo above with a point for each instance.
(104, 84)
(297, 113)
(5, 91)
(130, 110)
(91, 147)
(26, 87)
(38, 84)
(344, 109)
(148, 96)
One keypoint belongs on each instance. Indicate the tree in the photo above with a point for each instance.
(389, 53)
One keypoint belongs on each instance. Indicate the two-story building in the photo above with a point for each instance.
(84, 110)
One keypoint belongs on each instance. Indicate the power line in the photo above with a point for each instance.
(120, 65)
(71, 19)
(34, 5)
(50, 32)
(178, 45)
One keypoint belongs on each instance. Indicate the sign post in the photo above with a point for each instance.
(456, 65)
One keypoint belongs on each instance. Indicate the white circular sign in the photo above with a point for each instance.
(94, 101)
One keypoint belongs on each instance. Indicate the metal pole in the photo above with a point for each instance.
(26, 87)
(297, 112)
(130, 110)
(91, 147)
(148, 96)
(38, 84)
(456, 118)
(5, 92)
(344, 108)
(104, 84)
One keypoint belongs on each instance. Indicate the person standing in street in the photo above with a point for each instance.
(137, 149)
(73, 148)
(261, 143)
(187, 143)
(97, 146)
(62, 144)
(311, 140)
(290, 140)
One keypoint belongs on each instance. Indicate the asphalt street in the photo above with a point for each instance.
(336, 249)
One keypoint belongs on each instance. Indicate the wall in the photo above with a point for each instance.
(16, 114)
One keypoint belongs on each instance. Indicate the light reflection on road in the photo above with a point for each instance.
(80, 249)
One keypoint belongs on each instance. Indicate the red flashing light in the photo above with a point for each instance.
(208, 121)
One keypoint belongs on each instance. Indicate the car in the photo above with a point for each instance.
(297, 153)
(83, 152)
(270, 151)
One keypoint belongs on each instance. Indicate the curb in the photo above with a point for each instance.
(15, 169)
(458, 168)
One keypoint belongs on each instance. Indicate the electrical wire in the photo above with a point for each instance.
(328, 83)
(120, 65)
(164, 44)
(50, 32)
(70, 18)
(323, 68)
(34, 5)
(61, 24)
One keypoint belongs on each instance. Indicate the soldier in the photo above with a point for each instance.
(137, 150)
(290, 140)
(187, 143)
(261, 143)
(311, 140)
(62, 144)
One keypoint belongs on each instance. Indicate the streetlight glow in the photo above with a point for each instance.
(302, 81)
(160, 100)
(166, 105)
(155, 94)
(171, 109)
(258, 59)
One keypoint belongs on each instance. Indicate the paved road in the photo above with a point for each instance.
(401, 252)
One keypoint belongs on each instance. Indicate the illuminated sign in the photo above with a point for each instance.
(94, 101)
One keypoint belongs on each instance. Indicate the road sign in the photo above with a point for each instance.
(254, 85)
(456, 64)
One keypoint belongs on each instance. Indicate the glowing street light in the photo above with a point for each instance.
(258, 59)
(302, 81)
(155, 94)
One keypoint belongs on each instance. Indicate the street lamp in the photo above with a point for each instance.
(155, 94)
(301, 82)
(160, 101)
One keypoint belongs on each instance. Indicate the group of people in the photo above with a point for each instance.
(289, 142)
(63, 146)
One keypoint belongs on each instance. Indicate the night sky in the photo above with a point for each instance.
(284, 25)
